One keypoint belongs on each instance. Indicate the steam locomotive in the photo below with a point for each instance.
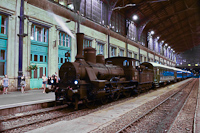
(92, 77)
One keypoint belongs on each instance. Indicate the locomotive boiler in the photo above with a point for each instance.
(92, 78)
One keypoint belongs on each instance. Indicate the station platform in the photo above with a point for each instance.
(14, 102)
(97, 120)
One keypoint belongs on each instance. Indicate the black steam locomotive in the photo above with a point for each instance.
(92, 77)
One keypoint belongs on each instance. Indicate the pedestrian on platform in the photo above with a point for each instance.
(5, 84)
(56, 74)
(44, 82)
(49, 83)
(1, 84)
(53, 82)
(23, 83)
(56, 81)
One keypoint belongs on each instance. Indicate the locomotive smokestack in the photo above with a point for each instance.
(79, 40)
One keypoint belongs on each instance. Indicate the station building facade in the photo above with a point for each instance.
(47, 42)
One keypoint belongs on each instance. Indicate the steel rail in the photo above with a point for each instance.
(40, 121)
(150, 110)
(182, 107)
(34, 113)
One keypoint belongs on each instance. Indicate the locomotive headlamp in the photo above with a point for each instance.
(75, 82)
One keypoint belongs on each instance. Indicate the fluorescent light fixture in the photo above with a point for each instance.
(135, 17)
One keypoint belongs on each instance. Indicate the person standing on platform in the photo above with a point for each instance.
(5, 84)
(56, 74)
(49, 83)
(44, 82)
(1, 84)
(23, 83)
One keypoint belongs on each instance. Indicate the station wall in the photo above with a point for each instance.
(46, 20)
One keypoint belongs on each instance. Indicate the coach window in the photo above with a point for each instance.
(133, 64)
(126, 63)
(137, 63)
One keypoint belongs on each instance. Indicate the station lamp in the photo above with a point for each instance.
(135, 17)
(152, 32)
(166, 44)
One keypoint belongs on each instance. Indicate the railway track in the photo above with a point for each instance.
(163, 124)
(26, 119)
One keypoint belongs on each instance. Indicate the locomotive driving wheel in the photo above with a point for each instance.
(89, 104)
(104, 99)
(115, 95)
(127, 92)
(139, 90)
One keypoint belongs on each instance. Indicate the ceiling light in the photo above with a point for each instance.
(135, 17)
(158, 37)
(162, 41)
(169, 47)
(152, 32)
(166, 44)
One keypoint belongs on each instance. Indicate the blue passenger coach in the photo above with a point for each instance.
(166, 74)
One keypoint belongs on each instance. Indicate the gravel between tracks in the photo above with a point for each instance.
(132, 115)
(185, 119)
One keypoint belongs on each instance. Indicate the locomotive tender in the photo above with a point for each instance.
(92, 77)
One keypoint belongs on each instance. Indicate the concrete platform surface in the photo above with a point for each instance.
(14, 99)
(103, 117)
